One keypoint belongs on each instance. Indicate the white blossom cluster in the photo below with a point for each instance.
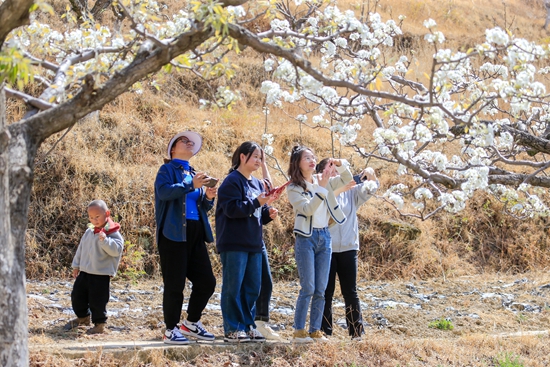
(268, 139)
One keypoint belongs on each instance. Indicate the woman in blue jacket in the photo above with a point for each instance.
(242, 210)
(181, 206)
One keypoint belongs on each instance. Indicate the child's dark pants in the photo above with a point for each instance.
(91, 294)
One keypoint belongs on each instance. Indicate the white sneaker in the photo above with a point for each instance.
(266, 331)
(256, 336)
(301, 336)
(174, 337)
(318, 336)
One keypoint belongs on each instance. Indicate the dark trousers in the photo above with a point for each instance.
(345, 265)
(181, 260)
(90, 295)
(262, 303)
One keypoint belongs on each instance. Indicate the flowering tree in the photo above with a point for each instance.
(477, 122)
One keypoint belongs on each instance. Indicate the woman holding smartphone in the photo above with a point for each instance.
(312, 198)
(181, 206)
(242, 210)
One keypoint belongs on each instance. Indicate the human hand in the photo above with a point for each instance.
(274, 196)
(263, 198)
(200, 179)
(75, 272)
(327, 173)
(348, 186)
(102, 236)
(369, 174)
(273, 213)
(211, 192)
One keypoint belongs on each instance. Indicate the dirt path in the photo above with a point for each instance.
(492, 305)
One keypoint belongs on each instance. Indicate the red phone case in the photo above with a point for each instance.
(278, 189)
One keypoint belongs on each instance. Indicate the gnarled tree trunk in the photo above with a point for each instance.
(13, 318)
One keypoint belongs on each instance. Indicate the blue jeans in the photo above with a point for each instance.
(313, 261)
(262, 304)
(242, 275)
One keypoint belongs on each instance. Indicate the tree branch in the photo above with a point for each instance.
(518, 179)
(35, 102)
(89, 99)
(13, 14)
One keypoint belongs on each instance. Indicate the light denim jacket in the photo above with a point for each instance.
(305, 203)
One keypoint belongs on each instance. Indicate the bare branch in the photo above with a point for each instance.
(35, 102)
(43, 63)
(517, 179)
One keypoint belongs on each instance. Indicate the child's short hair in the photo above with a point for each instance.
(99, 203)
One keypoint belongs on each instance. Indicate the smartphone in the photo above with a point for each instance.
(213, 182)
(358, 179)
(277, 189)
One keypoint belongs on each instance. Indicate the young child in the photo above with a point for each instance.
(314, 203)
(95, 262)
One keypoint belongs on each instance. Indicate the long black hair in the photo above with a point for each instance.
(247, 148)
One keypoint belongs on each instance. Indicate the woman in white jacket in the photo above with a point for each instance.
(312, 198)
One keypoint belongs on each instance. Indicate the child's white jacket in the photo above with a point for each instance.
(99, 257)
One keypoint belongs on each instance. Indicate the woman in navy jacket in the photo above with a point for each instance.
(181, 206)
(242, 210)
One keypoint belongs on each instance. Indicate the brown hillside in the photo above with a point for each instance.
(114, 155)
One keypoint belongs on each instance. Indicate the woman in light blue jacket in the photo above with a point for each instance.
(345, 248)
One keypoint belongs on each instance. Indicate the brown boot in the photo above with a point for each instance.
(77, 322)
(97, 329)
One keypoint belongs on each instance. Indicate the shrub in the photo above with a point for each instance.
(441, 324)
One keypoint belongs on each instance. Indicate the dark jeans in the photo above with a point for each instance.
(91, 294)
(262, 304)
(345, 265)
(240, 289)
(181, 260)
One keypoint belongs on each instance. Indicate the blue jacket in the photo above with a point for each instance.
(170, 192)
(239, 215)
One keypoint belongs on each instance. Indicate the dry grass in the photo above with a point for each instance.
(476, 350)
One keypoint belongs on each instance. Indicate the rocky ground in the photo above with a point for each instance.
(492, 305)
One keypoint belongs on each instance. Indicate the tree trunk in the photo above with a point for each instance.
(13, 301)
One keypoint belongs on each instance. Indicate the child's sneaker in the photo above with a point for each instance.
(301, 336)
(318, 336)
(236, 337)
(196, 330)
(175, 337)
(267, 331)
(256, 336)
(74, 323)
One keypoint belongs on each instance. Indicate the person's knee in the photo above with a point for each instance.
(307, 290)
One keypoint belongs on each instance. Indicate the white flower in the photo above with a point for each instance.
(430, 23)
(497, 36)
(268, 64)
